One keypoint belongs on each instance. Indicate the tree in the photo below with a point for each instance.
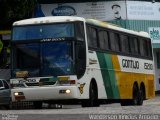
(12, 10)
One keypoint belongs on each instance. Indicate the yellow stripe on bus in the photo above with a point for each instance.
(116, 63)
(125, 81)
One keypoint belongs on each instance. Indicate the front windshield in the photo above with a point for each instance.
(56, 58)
(43, 31)
(49, 49)
(43, 59)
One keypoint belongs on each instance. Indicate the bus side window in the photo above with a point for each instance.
(103, 40)
(92, 37)
(149, 48)
(112, 40)
(125, 47)
(137, 49)
(117, 42)
(80, 31)
(134, 45)
(143, 47)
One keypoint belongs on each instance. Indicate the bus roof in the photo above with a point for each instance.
(116, 27)
(49, 19)
(52, 19)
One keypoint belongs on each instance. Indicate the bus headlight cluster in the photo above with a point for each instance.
(65, 91)
(68, 91)
(18, 93)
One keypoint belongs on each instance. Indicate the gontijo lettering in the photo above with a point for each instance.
(130, 64)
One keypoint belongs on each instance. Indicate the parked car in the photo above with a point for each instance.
(5, 94)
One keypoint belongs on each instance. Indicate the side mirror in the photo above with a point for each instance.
(1, 88)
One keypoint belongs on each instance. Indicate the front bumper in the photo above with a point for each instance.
(44, 93)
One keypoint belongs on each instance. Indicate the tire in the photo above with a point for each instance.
(9, 106)
(93, 97)
(140, 97)
(37, 105)
(135, 98)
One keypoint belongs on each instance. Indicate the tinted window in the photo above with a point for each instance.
(27, 56)
(134, 45)
(6, 85)
(92, 37)
(103, 40)
(80, 31)
(149, 48)
(56, 58)
(43, 31)
(1, 84)
(125, 47)
(143, 47)
(80, 59)
(158, 59)
(117, 42)
(112, 40)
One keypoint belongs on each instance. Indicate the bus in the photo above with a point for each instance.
(72, 60)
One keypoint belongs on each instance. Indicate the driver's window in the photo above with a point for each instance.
(6, 85)
(81, 59)
(1, 84)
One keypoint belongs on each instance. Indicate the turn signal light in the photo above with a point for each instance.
(72, 82)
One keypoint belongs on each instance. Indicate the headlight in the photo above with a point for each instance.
(65, 91)
(18, 93)
(68, 91)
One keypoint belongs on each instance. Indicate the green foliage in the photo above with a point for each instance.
(11, 10)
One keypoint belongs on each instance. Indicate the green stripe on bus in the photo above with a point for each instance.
(108, 75)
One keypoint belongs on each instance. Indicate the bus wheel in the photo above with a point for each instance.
(93, 97)
(140, 97)
(37, 104)
(135, 95)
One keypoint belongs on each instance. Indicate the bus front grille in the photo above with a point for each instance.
(40, 83)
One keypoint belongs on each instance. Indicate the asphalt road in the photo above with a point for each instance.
(150, 110)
